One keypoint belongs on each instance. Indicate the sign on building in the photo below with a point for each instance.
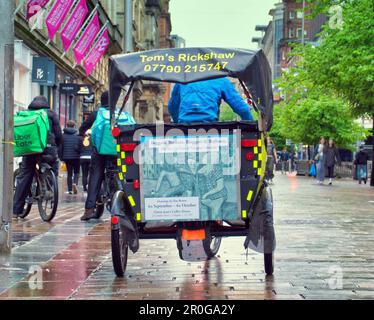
(43, 71)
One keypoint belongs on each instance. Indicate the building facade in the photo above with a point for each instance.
(293, 29)
(32, 47)
(151, 30)
(151, 27)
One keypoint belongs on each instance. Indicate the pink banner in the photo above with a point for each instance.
(57, 15)
(88, 36)
(74, 23)
(96, 52)
(34, 6)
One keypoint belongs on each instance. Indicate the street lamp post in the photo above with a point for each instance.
(303, 24)
(6, 118)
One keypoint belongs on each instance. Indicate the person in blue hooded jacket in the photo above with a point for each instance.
(200, 101)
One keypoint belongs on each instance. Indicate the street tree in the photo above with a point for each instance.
(344, 59)
(309, 111)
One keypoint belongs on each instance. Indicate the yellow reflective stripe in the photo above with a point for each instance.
(259, 171)
(131, 200)
(120, 175)
(255, 164)
(259, 143)
(255, 150)
(249, 196)
(244, 213)
(118, 148)
(260, 157)
(119, 162)
(138, 217)
(124, 168)
(123, 155)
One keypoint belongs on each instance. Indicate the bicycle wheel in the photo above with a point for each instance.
(120, 249)
(29, 198)
(48, 195)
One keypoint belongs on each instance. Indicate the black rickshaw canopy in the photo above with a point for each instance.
(185, 65)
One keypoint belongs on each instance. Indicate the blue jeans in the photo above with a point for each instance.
(361, 171)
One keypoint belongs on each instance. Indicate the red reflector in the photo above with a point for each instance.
(247, 143)
(249, 101)
(129, 160)
(193, 234)
(136, 184)
(116, 132)
(128, 146)
(115, 220)
(249, 156)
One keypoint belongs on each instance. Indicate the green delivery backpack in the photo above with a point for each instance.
(102, 138)
(30, 132)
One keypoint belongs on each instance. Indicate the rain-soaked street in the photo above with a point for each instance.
(325, 250)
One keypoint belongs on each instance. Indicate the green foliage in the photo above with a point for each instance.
(226, 113)
(275, 133)
(319, 115)
(344, 60)
(332, 83)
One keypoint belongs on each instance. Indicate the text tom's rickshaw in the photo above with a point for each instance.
(196, 182)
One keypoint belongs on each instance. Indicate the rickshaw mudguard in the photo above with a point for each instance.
(125, 220)
(261, 234)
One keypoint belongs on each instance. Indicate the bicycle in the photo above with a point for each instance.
(43, 190)
(109, 186)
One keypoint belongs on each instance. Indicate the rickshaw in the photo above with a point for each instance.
(195, 183)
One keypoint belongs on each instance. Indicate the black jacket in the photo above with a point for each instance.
(55, 133)
(71, 144)
(362, 157)
(332, 156)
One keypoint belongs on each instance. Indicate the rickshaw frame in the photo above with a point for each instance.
(252, 70)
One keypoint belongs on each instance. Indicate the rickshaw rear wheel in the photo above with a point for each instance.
(269, 263)
(120, 249)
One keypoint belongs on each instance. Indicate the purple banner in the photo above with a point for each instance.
(88, 36)
(57, 15)
(74, 23)
(96, 52)
(34, 6)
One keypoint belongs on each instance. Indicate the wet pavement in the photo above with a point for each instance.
(325, 250)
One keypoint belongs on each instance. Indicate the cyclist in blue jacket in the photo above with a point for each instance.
(200, 101)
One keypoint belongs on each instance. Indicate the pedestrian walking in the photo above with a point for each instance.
(361, 161)
(319, 156)
(70, 154)
(284, 158)
(85, 158)
(271, 160)
(332, 158)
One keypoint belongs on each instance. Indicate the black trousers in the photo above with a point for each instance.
(73, 167)
(97, 170)
(85, 165)
(330, 172)
(24, 179)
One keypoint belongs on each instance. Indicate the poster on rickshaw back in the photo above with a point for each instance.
(190, 178)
